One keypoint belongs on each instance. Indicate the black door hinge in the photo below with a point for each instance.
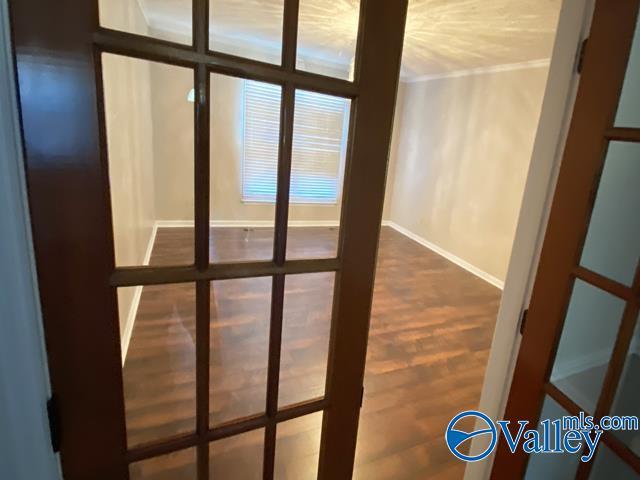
(53, 412)
(580, 55)
(361, 396)
(523, 319)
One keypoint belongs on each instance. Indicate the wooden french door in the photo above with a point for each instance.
(579, 349)
(59, 48)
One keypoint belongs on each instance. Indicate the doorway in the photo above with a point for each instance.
(65, 63)
(152, 273)
(467, 116)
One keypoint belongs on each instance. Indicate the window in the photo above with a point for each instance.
(319, 140)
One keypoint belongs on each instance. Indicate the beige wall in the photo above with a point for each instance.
(129, 138)
(393, 153)
(461, 153)
(173, 141)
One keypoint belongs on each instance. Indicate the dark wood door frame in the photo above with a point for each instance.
(58, 48)
(591, 130)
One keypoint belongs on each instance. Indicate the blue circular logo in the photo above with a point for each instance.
(456, 438)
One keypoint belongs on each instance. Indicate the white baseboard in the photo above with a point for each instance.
(316, 223)
(589, 360)
(174, 223)
(152, 240)
(448, 255)
(334, 223)
(133, 309)
(246, 223)
(565, 369)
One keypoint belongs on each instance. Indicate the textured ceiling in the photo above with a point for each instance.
(441, 36)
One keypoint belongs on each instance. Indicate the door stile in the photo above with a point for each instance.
(64, 174)
(378, 67)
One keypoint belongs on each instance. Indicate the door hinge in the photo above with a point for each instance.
(523, 319)
(361, 396)
(53, 412)
(580, 55)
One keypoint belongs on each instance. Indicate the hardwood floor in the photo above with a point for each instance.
(431, 329)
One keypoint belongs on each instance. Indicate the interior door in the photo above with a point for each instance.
(580, 341)
(60, 49)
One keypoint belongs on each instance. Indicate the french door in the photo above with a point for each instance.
(579, 349)
(60, 49)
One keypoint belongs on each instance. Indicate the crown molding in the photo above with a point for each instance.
(507, 67)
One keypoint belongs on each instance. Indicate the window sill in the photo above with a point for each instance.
(302, 204)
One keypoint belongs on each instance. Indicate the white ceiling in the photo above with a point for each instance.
(441, 36)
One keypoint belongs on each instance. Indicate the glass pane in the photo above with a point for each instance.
(609, 466)
(250, 29)
(327, 34)
(150, 148)
(237, 458)
(164, 19)
(240, 316)
(627, 400)
(298, 448)
(557, 466)
(589, 332)
(245, 130)
(308, 300)
(612, 247)
(180, 465)
(158, 325)
(629, 107)
(320, 131)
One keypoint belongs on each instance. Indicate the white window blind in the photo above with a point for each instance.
(319, 138)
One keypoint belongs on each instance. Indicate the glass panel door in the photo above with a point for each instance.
(579, 344)
(202, 364)
(170, 324)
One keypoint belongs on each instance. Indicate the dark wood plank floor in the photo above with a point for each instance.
(432, 324)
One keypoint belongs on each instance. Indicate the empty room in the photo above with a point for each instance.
(332, 239)
(466, 115)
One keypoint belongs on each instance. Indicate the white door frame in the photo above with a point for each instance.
(557, 106)
(25, 444)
